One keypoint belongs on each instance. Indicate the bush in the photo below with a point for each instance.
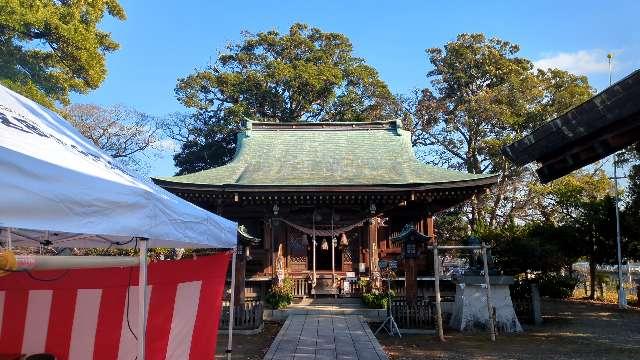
(556, 285)
(521, 289)
(375, 300)
(280, 295)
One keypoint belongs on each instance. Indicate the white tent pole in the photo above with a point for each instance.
(9, 240)
(232, 302)
(142, 299)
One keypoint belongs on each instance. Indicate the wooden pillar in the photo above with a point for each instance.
(241, 268)
(430, 230)
(372, 238)
(487, 282)
(268, 245)
(436, 277)
(411, 280)
(428, 224)
(275, 245)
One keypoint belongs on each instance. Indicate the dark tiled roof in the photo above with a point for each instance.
(604, 124)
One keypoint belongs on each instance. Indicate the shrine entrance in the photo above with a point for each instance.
(323, 255)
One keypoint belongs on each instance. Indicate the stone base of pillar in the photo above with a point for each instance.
(470, 309)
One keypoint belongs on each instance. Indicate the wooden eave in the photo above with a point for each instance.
(606, 123)
(178, 186)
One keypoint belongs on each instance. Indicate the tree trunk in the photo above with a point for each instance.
(592, 278)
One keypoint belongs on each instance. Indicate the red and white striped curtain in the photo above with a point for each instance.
(93, 313)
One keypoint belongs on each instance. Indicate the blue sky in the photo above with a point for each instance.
(164, 40)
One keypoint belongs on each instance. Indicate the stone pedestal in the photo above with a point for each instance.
(470, 310)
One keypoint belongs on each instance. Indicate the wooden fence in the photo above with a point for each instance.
(300, 287)
(247, 316)
(420, 315)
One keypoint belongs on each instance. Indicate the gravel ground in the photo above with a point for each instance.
(572, 330)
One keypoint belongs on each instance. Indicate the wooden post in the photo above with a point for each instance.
(241, 266)
(492, 325)
(333, 261)
(436, 277)
(428, 226)
(268, 245)
(430, 230)
(372, 238)
(411, 281)
(276, 236)
(314, 244)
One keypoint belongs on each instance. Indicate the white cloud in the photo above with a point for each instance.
(582, 62)
(169, 145)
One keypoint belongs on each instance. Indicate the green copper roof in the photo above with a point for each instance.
(325, 154)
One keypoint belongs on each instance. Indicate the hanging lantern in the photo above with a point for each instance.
(324, 245)
(343, 240)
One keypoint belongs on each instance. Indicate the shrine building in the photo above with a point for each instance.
(321, 202)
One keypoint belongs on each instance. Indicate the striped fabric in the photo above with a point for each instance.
(85, 314)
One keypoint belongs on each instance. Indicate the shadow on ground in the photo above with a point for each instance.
(571, 331)
(248, 347)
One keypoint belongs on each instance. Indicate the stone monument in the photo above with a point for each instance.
(470, 310)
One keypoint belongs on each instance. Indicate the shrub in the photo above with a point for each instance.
(375, 300)
(521, 289)
(280, 295)
(556, 285)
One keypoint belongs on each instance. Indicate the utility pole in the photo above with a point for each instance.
(622, 299)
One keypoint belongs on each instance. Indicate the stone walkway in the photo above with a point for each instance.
(324, 337)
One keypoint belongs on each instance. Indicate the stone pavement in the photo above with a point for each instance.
(324, 337)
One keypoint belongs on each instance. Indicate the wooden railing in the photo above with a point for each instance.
(246, 316)
(420, 315)
(300, 287)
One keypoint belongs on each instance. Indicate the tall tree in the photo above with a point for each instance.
(631, 214)
(303, 75)
(484, 96)
(122, 132)
(50, 48)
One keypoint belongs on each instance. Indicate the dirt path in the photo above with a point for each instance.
(248, 347)
(570, 331)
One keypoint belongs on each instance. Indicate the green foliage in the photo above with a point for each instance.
(556, 285)
(484, 96)
(373, 298)
(281, 295)
(566, 197)
(631, 216)
(51, 48)
(302, 75)
(536, 247)
(364, 284)
(451, 226)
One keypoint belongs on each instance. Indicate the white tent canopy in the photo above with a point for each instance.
(58, 188)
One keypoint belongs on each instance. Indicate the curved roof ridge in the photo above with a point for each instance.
(300, 154)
